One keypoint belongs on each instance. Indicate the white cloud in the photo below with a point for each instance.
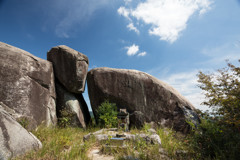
(124, 12)
(166, 17)
(132, 50)
(142, 54)
(131, 27)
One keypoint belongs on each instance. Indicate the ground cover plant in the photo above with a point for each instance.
(60, 143)
(67, 143)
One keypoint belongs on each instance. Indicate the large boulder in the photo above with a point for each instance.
(27, 85)
(139, 91)
(137, 119)
(72, 106)
(70, 67)
(14, 139)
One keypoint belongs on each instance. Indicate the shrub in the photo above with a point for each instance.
(218, 136)
(222, 92)
(65, 118)
(107, 114)
(214, 141)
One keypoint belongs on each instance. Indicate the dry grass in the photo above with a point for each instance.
(67, 143)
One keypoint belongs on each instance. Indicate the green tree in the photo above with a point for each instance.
(222, 91)
(107, 114)
(218, 136)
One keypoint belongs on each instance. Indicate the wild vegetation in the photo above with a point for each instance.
(67, 143)
(217, 137)
(107, 114)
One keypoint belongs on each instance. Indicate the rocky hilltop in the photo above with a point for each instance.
(34, 92)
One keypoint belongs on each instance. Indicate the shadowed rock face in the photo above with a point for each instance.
(138, 91)
(14, 139)
(27, 85)
(74, 104)
(70, 67)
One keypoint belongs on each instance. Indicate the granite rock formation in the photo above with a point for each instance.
(27, 85)
(70, 67)
(14, 139)
(74, 104)
(137, 119)
(139, 91)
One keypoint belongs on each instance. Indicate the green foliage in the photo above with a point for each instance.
(61, 143)
(65, 118)
(107, 114)
(222, 91)
(67, 143)
(218, 136)
(146, 127)
(173, 142)
(213, 141)
(23, 121)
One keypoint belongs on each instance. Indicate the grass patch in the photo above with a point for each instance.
(67, 143)
(60, 143)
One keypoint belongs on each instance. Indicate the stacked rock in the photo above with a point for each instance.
(70, 70)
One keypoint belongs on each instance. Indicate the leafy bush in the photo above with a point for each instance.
(215, 141)
(65, 118)
(222, 92)
(107, 114)
(218, 136)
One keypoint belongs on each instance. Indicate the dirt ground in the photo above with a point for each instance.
(95, 154)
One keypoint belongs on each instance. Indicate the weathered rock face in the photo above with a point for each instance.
(137, 119)
(70, 67)
(27, 85)
(73, 104)
(138, 91)
(14, 139)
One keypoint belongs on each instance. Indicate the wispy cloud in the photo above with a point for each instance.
(127, 1)
(131, 27)
(132, 50)
(228, 51)
(66, 16)
(142, 54)
(124, 12)
(167, 18)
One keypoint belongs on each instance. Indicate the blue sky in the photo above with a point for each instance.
(169, 39)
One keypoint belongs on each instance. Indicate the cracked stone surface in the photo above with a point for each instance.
(104, 134)
(27, 86)
(70, 67)
(134, 90)
(74, 104)
(14, 139)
